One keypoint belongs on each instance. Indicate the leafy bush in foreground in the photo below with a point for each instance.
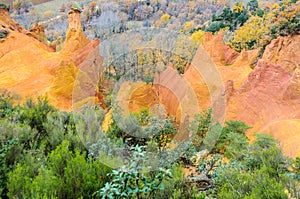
(63, 175)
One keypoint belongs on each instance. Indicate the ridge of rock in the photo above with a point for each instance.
(31, 68)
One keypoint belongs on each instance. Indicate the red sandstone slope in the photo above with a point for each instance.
(271, 97)
(30, 68)
(267, 98)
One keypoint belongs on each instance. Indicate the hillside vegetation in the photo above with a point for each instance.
(150, 99)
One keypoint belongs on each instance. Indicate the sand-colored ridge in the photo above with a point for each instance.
(31, 68)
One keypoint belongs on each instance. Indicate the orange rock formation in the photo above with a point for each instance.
(269, 100)
(266, 98)
(31, 68)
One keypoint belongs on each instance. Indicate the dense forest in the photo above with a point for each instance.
(46, 152)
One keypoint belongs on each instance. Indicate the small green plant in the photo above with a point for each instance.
(296, 168)
(135, 180)
(4, 167)
(6, 103)
(200, 126)
(3, 33)
(233, 139)
(141, 128)
(35, 115)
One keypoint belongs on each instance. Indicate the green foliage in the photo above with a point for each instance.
(133, 181)
(6, 104)
(259, 173)
(205, 121)
(142, 128)
(285, 20)
(214, 26)
(57, 164)
(250, 185)
(35, 115)
(237, 147)
(210, 165)
(262, 27)
(231, 18)
(160, 131)
(4, 166)
(178, 186)
(252, 5)
(296, 167)
(19, 180)
(266, 152)
(64, 175)
(14, 140)
(233, 140)
(60, 126)
(33, 161)
(201, 125)
(4, 6)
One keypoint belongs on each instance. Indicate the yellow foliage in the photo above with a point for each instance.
(191, 4)
(198, 36)
(17, 5)
(284, 14)
(165, 18)
(238, 8)
(188, 25)
(275, 6)
(107, 121)
(251, 34)
(286, 2)
(225, 29)
(48, 14)
(93, 4)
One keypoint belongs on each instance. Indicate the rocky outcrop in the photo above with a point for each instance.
(38, 32)
(75, 38)
(220, 53)
(269, 100)
(266, 97)
(85, 56)
(31, 68)
(284, 51)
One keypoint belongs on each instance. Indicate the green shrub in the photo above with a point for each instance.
(6, 104)
(15, 138)
(233, 139)
(64, 175)
(259, 173)
(35, 115)
(4, 165)
(178, 186)
(135, 180)
(213, 27)
(250, 185)
(141, 128)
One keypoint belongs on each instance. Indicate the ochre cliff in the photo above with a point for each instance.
(270, 99)
(266, 97)
(30, 68)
